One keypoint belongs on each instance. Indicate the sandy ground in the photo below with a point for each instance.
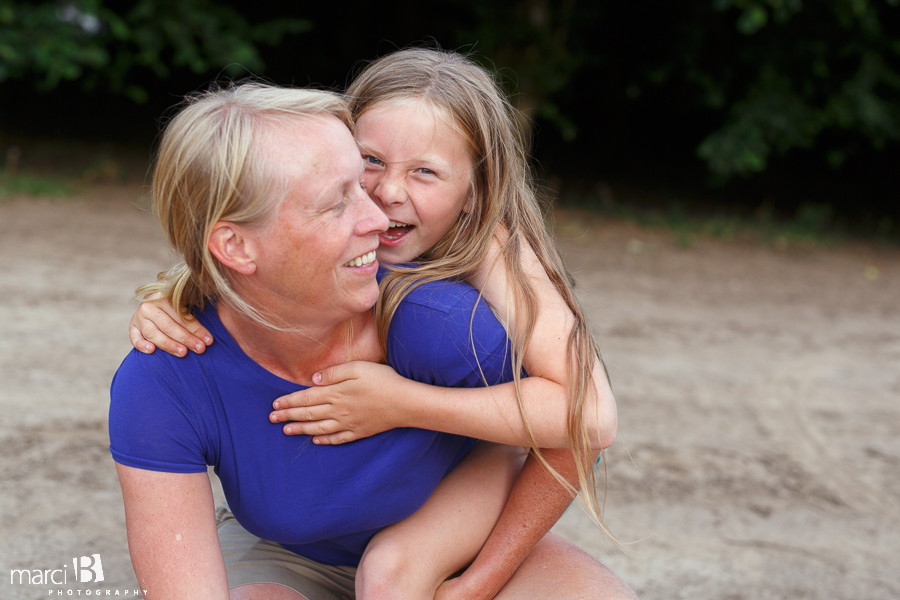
(758, 391)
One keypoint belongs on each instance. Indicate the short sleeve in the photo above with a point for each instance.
(152, 423)
(444, 334)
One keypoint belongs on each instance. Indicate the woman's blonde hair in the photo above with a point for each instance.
(212, 166)
(468, 98)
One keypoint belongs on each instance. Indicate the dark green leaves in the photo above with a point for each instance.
(84, 40)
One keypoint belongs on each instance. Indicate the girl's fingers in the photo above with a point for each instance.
(303, 398)
(316, 428)
(335, 439)
(198, 336)
(177, 331)
(303, 414)
(158, 323)
(199, 331)
(151, 333)
(336, 374)
(138, 341)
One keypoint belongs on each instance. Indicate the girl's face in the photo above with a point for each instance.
(419, 171)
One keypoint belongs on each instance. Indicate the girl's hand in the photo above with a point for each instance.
(348, 402)
(157, 324)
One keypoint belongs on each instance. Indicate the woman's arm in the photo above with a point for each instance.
(172, 537)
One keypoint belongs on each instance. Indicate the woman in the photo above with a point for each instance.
(259, 190)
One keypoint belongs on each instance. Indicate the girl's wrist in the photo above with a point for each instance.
(483, 582)
(406, 404)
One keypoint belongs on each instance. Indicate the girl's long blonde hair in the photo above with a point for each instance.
(470, 100)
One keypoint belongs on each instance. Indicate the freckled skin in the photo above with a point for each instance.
(418, 171)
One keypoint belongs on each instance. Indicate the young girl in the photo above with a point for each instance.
(446, 163)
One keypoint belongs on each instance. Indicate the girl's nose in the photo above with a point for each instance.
(390, 191)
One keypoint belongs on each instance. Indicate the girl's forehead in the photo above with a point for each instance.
(416, 107)
(425, 115)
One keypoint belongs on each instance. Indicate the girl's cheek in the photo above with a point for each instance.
(370, 180)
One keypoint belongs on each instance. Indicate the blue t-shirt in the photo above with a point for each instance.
(323, 502)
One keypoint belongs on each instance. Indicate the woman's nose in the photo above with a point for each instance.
(371, 219)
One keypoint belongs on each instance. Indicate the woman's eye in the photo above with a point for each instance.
(425, 171)
(371, 160)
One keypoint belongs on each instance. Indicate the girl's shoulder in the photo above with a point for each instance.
(448, 296)
(444, 333)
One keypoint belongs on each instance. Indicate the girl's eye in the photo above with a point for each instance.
(371, 160)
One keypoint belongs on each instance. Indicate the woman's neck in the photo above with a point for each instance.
(297, 354)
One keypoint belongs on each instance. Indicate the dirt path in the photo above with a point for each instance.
(758, 390)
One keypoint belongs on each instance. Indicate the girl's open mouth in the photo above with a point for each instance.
(396, 231)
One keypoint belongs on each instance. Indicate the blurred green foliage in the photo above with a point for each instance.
(30, 184)
(800, 75)
(532, 52)
(88, 41)
(737, 85)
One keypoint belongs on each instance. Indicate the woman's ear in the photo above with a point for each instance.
(231, 246)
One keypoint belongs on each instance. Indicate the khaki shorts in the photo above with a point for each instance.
(249, 559)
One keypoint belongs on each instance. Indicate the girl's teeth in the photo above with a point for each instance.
(398, 224)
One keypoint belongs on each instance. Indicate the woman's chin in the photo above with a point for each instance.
(393, 255)
(368, 300)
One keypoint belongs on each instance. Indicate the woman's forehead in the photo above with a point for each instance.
(309, 141)
(313, 156)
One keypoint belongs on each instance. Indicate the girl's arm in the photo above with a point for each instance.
(361, 399)
(537, 499)
(172, 537)
(546, 355)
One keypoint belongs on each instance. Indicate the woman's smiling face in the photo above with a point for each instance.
(419, 171)
(317, 251)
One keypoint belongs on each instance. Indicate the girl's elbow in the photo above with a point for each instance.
(607, 435)
(602, 434)
(605, 423)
